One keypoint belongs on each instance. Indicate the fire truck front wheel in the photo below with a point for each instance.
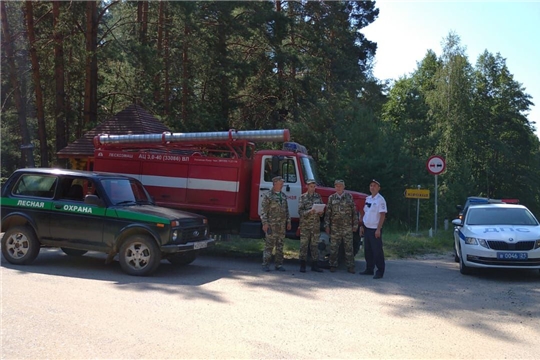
(139, 255)
(183, 258)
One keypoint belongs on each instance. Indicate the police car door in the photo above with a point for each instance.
(288, 169)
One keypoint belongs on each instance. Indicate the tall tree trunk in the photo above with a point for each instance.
(42, 131)
(60, 106)
(26, 145)
(166, 87)
(90, 91)
(292, 80)
(185, 74)
(142, 19)
(157, 76)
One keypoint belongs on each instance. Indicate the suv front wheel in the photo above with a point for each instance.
(20, 245)
(139, 255)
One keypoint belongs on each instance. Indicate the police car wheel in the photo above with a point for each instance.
(73, 252)
(463, 269)
(20, 245)
(139, 255)
(183, 258)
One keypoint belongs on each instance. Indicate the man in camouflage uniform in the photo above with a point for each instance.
(310, 224)
(340, 222)
(275, 219)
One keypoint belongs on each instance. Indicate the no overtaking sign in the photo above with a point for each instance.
(436, 165)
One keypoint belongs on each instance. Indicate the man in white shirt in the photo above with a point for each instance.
(374, 214)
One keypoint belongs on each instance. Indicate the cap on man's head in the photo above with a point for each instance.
(375, 181)
(339, 182)
(310, 181)
(277, 178)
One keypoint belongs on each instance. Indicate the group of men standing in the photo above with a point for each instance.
(340, 222)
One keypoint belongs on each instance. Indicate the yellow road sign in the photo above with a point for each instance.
(417, 193)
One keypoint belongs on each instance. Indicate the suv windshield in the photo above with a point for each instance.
(126, 191)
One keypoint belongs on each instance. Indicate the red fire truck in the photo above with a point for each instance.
(218, 174)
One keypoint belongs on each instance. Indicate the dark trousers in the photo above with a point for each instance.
(373, 251)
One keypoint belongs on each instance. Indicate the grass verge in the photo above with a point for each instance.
(396, 245)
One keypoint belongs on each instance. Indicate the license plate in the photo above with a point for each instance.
(511, 256)
(200, 245)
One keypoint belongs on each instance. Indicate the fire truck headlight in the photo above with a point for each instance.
(174, 235)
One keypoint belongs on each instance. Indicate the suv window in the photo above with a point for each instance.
(122, 191)
(76, 189)
(36, 186)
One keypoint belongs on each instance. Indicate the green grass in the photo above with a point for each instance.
(396, 245)
(403, 245)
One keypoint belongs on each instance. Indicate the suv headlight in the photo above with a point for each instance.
(476, 241)
(537, 244)
(174, 236)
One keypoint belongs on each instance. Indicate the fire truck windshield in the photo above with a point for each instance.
(309, 170)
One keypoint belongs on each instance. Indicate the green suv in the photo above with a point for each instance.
(82, 211)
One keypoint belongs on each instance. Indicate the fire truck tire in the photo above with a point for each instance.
(73, 252)
(357, 242)
(139, 255)
(20, 245)
(182, 259)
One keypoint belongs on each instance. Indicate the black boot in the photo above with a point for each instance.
(302, 265)
(315, 267)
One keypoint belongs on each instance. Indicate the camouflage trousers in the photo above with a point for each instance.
(308, 238)
(337, 237)
(274, 240)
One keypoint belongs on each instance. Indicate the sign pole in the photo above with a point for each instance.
(417, 211)
(436, 165)
(436, 192)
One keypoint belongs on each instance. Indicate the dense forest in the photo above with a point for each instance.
(301, 65)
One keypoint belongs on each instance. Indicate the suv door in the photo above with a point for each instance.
(75, 222)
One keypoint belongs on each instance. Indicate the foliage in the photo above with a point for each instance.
(306, 66)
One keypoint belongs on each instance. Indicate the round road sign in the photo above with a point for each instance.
(436, 165)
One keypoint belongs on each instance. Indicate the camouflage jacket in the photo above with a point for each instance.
(341, 211)
(309, 220)
(274, 208)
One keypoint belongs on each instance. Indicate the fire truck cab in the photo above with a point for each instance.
(218, 174)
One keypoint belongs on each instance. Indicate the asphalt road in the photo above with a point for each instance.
(78, 308)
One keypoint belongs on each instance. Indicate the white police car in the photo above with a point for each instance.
(497, 236)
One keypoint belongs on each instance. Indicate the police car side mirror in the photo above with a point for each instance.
(457, 222)
(93, 200)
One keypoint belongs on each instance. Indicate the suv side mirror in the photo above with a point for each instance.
(93, 200)
(457, 222)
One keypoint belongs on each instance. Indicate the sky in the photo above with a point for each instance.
(406, 30)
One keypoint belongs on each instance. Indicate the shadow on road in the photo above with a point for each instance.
(410, 288)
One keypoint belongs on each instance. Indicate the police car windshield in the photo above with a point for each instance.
(500, 216)
(126, 192)
(309, 170)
